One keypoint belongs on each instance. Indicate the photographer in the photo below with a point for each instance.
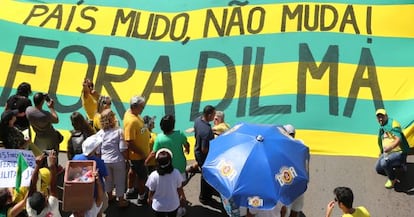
(42, 121)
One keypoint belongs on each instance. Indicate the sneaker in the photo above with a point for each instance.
(131, 194)
(142, 200)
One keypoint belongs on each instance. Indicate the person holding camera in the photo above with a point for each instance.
(47, 137)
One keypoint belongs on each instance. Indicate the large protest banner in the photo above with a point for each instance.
(323, 66)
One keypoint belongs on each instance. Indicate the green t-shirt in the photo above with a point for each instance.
(174, 142)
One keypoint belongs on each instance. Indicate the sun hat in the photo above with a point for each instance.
(90, 144)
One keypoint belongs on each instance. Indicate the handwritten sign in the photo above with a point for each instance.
(8, 167)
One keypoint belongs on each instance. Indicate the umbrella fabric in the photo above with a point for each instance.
(257, 166)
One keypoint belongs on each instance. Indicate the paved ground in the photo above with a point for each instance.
(326, 173)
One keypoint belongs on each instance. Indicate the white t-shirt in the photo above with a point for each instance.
(51, 209)
(93, 212)
(166, 197)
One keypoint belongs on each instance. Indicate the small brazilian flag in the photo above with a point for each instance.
(21, 167)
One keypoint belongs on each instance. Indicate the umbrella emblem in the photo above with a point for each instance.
(255, 201)
(226, 169)
(286, 175)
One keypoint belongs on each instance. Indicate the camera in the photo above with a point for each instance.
(46, 96)
(46, 162)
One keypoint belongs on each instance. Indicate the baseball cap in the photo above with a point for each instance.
(381, 111)
(90, 144)
(289, 129)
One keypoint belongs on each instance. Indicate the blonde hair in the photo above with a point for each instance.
(107, 119)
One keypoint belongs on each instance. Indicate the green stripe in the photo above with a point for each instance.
(184, 5)
(315, 117)
(279, 48)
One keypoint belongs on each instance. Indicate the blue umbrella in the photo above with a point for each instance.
(257, 166)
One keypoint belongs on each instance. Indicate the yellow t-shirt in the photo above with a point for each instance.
(97, 121)
(359, 212)
(136, 132)
(89, 104)
(220, 128)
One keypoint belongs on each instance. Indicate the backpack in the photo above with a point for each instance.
(77, 138)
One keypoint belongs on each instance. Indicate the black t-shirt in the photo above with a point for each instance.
(20, 103)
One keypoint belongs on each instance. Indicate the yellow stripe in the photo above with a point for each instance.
(346, 144)
(339, 143)
(275, 81)
(387, 20)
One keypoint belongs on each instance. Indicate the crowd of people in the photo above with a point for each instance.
(133, 162)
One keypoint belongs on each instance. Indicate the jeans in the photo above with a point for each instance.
(387, 161)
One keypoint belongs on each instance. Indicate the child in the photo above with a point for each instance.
(165, 186)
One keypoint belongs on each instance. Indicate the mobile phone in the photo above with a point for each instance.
(47, 98)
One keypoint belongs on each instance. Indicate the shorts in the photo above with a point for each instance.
(138, 166)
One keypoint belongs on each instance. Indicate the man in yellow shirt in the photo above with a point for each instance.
(344, 197)
(137, 137)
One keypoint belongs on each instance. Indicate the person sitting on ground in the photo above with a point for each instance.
(344, 197)
(393, 147)
(166, 193)
(38, 204)
(81, 131)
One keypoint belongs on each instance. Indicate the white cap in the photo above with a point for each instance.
(90, 144)
(289, 129)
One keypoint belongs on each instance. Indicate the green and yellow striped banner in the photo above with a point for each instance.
(323, 66)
